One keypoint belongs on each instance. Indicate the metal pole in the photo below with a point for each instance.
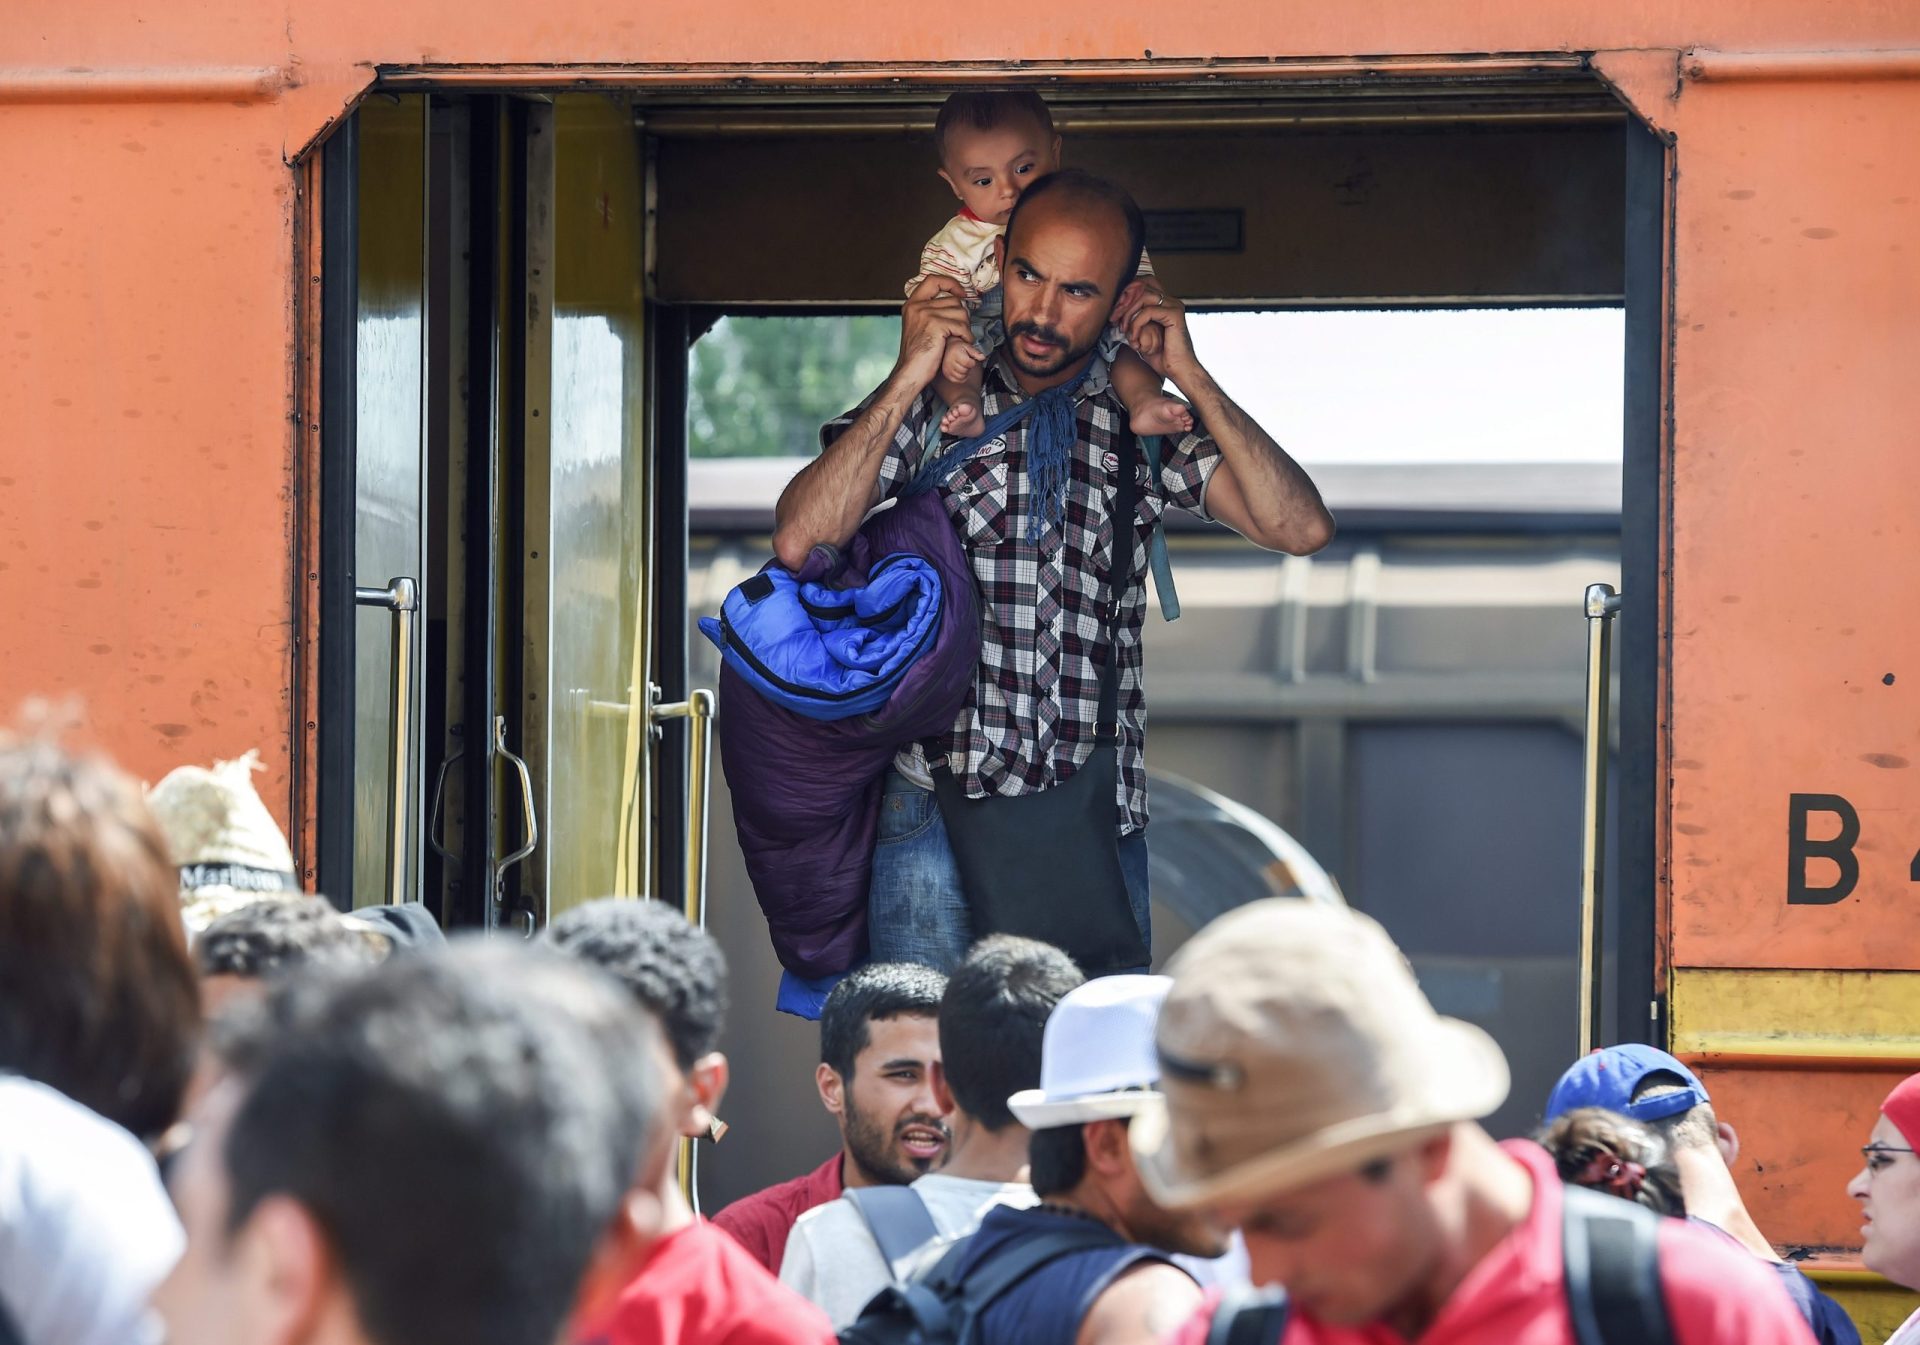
(1602, 604)
(698, 711)
(402, 598)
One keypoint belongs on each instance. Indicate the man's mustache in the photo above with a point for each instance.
(1047, 335)
(934, 1123)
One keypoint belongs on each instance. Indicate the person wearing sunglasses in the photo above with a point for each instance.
(1888, 1189)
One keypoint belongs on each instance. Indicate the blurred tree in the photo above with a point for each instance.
(762, 387)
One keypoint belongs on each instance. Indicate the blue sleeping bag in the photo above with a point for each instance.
(829, 653)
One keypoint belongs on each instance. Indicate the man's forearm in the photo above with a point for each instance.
(827, 499)
(1283, 507)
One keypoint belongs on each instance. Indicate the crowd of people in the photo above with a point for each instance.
(307, 1126)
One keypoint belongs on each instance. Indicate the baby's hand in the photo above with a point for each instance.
(960, 361)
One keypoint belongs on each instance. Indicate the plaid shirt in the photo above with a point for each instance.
(1029, 723)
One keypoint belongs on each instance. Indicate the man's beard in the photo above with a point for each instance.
(1063, 351)
(874, 1146)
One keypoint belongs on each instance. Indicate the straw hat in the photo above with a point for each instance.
(229, 848)
(1296, 1045)
(1096, 1059)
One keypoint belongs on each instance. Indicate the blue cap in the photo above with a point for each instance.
(1607, 1079)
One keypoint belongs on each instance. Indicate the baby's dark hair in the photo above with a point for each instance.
(982, 110)
(1609, 1152)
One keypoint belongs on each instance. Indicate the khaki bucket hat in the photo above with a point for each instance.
(1296, 1045)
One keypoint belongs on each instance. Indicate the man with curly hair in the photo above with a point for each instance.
(264, 940)
(694, 1284)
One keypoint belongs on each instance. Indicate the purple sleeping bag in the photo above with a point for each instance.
(806, 792)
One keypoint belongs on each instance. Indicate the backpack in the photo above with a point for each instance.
(1610, 1251)
(935, 1305)
(898, 1219)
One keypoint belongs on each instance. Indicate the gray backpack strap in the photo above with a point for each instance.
(1611, 1253)
(1158, 562)
(898, 1219)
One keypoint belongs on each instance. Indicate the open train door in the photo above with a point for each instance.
(484, 436)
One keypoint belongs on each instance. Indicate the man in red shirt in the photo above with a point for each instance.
(879, 1042)
(663, 1273)
(1314, 1099)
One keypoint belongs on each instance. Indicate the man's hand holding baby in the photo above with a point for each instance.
(935, 336)
(1156, 328)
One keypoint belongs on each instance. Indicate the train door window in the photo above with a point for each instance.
(376, 857)
(597, 505)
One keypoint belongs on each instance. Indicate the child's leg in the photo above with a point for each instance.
(958, 385)
(1150, 409)
(962, 371)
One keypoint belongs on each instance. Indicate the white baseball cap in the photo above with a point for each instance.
(1097, 1061)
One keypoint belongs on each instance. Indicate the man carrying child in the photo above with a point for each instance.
(1033, 501)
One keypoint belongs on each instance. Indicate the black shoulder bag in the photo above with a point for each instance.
(1047, 865)
(1611, 1251)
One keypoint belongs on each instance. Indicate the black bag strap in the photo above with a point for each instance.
(1006, 1267)
(1611, 1252)
(1248, 1316)
(1106, 724)
(899, 1220)
(9, 1333)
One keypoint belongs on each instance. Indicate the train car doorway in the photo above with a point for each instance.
(513, 284)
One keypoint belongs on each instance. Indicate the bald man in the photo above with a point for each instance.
(1032, 500)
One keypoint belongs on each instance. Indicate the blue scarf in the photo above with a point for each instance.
(1049, 448)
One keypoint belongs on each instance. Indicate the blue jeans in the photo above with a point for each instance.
(915, 909)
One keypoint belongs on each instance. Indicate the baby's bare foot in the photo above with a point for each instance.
(1161, 415)
(964, 420)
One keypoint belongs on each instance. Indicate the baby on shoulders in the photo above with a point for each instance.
(992, 147)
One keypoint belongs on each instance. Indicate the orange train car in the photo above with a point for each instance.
(344, 385)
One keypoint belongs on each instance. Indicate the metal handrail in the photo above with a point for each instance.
(526, 797)
(402, 598)
(698, 710)
(1602, 605)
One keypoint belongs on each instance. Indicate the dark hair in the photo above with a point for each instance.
(674, 968)
(1606, 1151)
(984, 109)
(1057, 1159)
(98, 999)
(462, 1126)
(992, 1019)
(1695, 1128)
(1081, 188)
(265, 939)
(876, 992)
